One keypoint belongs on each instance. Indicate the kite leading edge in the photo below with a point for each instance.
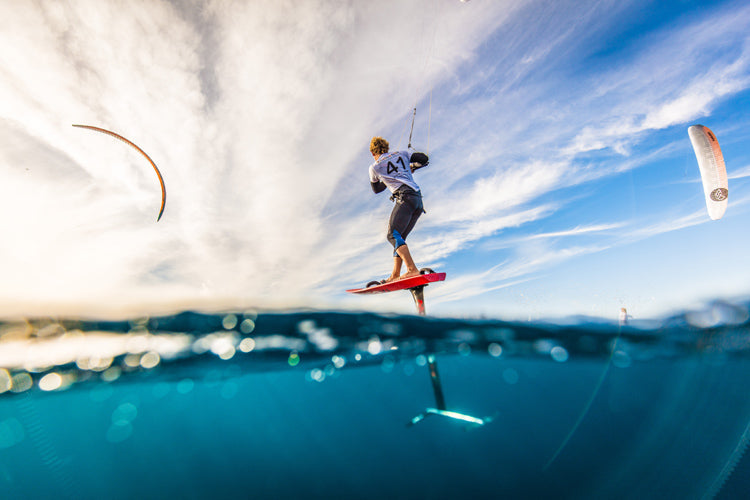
(156, 169)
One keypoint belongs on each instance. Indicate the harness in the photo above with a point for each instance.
(402, 192)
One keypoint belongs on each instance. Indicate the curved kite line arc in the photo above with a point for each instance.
(156, 169)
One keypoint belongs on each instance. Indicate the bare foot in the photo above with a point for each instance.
(392, 278)
(409, 274)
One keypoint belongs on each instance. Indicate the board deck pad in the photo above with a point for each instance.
(404, 284)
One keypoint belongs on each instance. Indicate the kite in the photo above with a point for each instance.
(156, 169)
(712, 168)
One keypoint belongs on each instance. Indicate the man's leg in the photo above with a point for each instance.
(396, 273)
(403, 250)
(405, 255)
(403, 218)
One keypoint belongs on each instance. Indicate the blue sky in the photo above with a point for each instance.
(562, 180)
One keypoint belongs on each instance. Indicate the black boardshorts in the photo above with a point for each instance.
(408, 207)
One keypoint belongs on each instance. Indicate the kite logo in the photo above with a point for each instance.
(719, 194)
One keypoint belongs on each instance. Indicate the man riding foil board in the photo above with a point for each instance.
(394, 171)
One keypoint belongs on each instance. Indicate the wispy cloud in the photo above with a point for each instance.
(523, 267)
(577, 231)
(677, 76)
(259, 113)
(255, 113)
(449, 240)
(739, 173)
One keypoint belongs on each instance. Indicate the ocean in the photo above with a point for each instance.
(330, 404)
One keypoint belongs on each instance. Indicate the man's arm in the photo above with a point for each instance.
(377, 187)
(418, 160)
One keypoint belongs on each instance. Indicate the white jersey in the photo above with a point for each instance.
(393, 170)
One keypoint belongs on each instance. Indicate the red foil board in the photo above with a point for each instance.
(404, 284)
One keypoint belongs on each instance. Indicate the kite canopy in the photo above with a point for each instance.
(712, 168)
(156, 169)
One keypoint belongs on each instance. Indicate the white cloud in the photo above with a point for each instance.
(680, 78)
(507, 187)
(443, 243)
(259, 113)
(739, 173)
(255, 113)
(529, 260)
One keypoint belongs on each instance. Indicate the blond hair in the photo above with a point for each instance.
(378, 146)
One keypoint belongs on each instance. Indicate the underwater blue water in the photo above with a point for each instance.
(315, 404)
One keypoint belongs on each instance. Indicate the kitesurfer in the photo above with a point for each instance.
(394, 171)
(624, 316)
